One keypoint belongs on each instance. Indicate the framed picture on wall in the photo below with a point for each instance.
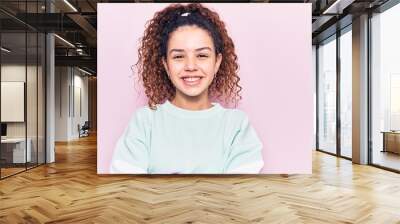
(12, 101)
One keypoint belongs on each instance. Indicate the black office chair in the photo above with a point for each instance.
(84, 130)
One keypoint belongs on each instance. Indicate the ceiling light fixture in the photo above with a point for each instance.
(84, 71)
(337, 7)
(70, 5)
(64, 40)
(5, 50)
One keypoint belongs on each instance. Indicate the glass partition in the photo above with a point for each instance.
(385, 89)
(327, 95)
(41, 85)
(31, 100)
(13, 110)
(22, 77)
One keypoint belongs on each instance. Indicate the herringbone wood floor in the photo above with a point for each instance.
(70, 191)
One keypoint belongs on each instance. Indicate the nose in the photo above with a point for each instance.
(190, 64)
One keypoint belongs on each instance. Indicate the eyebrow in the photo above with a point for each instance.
(198, 49)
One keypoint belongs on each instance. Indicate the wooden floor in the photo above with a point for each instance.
(70, 191)
(10, 171)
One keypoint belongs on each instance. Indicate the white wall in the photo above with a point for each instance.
(62, 81)
(80, 83)
(70, 84)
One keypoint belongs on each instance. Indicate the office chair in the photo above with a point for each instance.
(84, 130)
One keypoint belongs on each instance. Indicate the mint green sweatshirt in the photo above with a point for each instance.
(174, 140)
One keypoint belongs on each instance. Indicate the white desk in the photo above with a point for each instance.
(19, 155)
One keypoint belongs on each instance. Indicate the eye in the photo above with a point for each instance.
(202, 56)
(177, 56)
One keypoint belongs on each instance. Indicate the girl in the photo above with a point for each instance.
(186, 61)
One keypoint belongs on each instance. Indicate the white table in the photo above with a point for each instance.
(19, 155)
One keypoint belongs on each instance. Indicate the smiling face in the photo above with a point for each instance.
(191, 61)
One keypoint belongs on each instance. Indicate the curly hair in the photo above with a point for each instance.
(153, 48)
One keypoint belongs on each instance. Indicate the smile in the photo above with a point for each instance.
(192, 80)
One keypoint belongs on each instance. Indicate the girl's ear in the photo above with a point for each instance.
(218, 63)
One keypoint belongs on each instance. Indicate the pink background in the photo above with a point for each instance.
(274, 54)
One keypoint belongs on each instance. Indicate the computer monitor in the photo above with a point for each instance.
(3, 129)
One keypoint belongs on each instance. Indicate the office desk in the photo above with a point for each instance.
(16, 147)
(391, 141)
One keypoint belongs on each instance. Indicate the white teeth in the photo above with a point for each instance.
(191, 79)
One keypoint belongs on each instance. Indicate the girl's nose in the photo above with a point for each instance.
(190, 64)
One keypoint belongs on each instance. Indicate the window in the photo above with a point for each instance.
(327, 95)
(385, 88)
(346, 92)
